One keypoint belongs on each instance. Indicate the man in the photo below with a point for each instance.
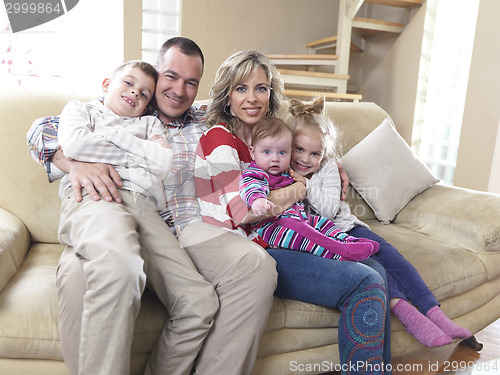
(242, 273)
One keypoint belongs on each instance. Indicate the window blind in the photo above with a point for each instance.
(160, 21)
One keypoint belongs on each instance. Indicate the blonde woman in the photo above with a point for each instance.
(248, 88)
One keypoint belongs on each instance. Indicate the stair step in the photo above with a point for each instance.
(326, 95)
(372, 26)
(306, 56)
(312, 80)
(397, 3)
(306, 73)
(329, 42)
(307, 59)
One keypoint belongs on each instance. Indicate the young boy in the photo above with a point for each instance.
(122, 242)
(293, 229)
(116, 132)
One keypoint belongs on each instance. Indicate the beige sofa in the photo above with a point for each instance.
(451, 235)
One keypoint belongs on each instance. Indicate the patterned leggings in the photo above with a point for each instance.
(316, 235)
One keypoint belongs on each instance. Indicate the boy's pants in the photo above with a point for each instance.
(244, 277)
(115, 246)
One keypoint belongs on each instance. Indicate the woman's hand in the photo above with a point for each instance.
(344, 180)
(282, 199)
(297, 177)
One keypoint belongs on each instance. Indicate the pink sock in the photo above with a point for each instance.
(439, 318)
(356, 251)
(346, 247)
(376, 245)
(419, 326)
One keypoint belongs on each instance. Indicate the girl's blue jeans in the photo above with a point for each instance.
(357, 289)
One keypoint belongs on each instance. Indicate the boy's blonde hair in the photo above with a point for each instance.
(311, 116)
(145, 67)
(269, 126)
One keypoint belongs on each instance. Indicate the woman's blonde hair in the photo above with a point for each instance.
(311, 116)
(231, 73)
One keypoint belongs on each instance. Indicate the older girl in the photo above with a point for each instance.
(246, 89)
(313, 158)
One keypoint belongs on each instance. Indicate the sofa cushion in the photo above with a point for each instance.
(26, 192)
(447, 269)
(386, 172)
(295, 325)
(14, 243)
(29, 311)
(28, 317)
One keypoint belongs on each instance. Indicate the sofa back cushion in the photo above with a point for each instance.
(24, 189)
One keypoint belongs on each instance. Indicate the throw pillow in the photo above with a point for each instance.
(386, 172)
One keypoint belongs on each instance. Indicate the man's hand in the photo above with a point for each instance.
(94, 177)
(97, 178)
(261, 205)
(344, 180)
(160, 140)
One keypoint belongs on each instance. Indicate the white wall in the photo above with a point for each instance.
(222, 27)
(476, 166)
(392, 82)
(494, 182)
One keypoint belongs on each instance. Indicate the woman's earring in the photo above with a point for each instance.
(227, 110)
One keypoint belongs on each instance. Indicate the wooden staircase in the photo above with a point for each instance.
(306, 60)
(300, 75)
(326, 43)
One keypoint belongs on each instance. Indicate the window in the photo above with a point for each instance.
(21, 61)
(443, 77)
(160, 21)
(75, 51)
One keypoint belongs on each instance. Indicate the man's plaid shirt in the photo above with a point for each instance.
(183, 134)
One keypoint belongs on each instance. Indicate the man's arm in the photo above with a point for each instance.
(43, 145)
(98, 179)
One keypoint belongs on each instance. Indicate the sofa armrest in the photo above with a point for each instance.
(467, 218)
(15, 241)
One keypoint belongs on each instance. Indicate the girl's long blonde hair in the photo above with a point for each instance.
(231, 73)
(311, 116)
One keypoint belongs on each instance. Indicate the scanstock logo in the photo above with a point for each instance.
(25, 14)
